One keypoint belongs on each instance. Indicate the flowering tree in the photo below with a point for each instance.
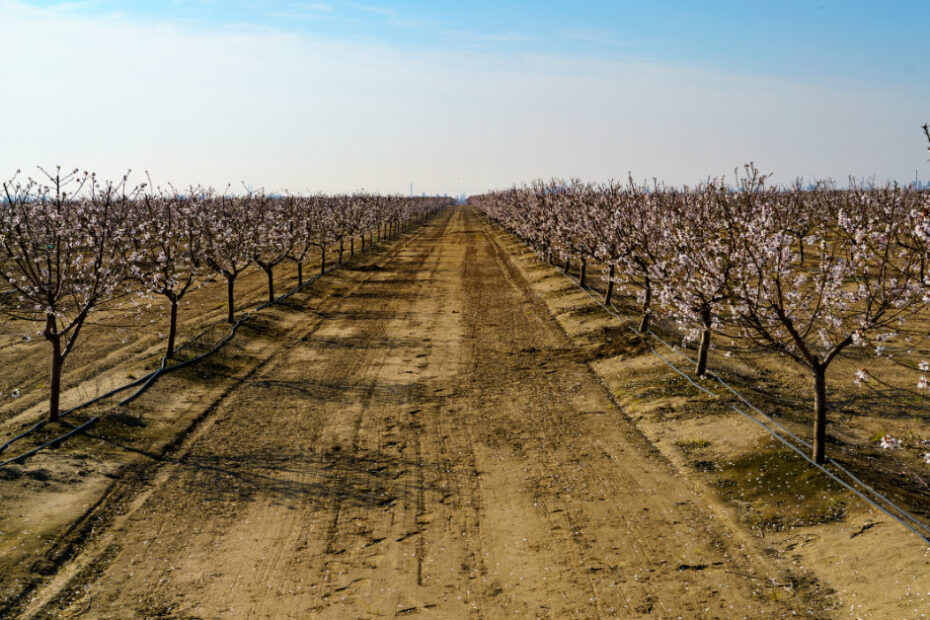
(696, 259)
(228, 239)
(299, 232)
(572, 222)
(324, 223)
(342, 219)
(367, 216)
(271, 243)
(858, 284)
(63, 245)
(355, 222)
(633, 243)
(167, 239)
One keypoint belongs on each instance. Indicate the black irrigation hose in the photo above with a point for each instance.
(29, 430)
(54, 442)
(42, 423)
(148, 380)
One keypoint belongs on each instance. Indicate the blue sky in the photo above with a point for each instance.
(854, 39)
(475, 95)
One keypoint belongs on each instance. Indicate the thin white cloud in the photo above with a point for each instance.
(313, 6)
(596, 37)
(505, 37)
(391, 16)
(313, 11)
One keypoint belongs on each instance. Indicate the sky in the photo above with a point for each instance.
(462, 97)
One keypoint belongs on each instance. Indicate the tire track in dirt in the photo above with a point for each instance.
(434, 447)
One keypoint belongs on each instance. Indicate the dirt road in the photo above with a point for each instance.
(435, 447)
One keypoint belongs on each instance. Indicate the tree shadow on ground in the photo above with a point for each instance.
(365, 479)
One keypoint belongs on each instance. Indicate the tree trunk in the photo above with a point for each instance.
(363, 241)
(568, 265)
(820, 413)
(54, 396)
(610, 286)
(341, 249)
(584, 269)
(172, 327)
(269, 271)
(322, 258)
(300, 273)
(230, 299)
(352, 246)
(701, 368)
(647, 301)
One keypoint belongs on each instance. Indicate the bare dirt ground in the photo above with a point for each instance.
(423, 439)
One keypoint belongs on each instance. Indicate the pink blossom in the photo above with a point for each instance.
(888, 442)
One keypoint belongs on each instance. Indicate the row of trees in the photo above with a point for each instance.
(805, 273)
(72, 244)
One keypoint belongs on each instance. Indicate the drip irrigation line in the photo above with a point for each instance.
(903, 517)
(31, 429)
(843, 483)
(54, 442)
(42, 423)
(203, 333)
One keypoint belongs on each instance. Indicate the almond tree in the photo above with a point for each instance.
(632, 243)
(572, 222)
(299, 232)
(63, 245)
(228, 239)
(858, 282)
(368, 218)
(167, 239)
(696, 259)
(271, 241)
(342, 218)
(324, 224)
(355, 223)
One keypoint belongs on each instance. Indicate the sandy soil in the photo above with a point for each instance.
(427, 440)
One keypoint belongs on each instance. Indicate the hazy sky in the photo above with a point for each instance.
(464, 96)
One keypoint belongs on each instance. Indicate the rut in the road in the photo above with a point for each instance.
(429, 448)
